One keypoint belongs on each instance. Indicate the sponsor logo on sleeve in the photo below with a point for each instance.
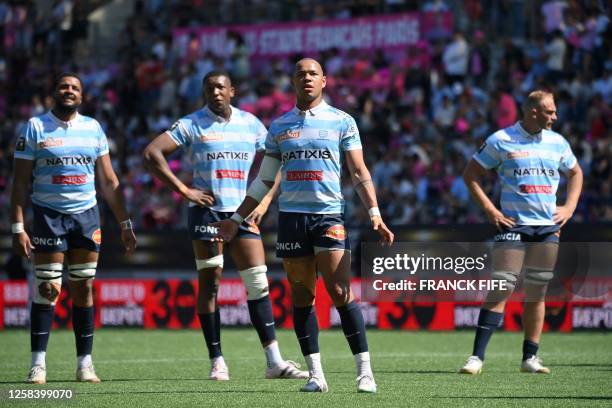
(20, 147)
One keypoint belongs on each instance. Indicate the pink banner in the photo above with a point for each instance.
(392, 31)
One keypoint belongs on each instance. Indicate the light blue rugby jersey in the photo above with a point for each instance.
(64, 155)
(221, 152)
(311, 145)
(528, 166)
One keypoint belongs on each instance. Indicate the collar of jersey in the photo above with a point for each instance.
(216, 117)
(70, 123)
(523, 132)
(313, 111)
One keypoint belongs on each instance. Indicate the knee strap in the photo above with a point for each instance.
(215, 261)
(538, 276)
(48, 283)
(255, 281)
(507, 276)
(84, 271)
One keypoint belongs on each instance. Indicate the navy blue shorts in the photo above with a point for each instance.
(57, 232)
(300, 233)
(529, 233)
(200, 218)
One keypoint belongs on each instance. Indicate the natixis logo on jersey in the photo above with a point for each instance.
(337, 232)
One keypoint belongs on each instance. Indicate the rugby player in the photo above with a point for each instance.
(61, 152)
(222, 142)
(528, 157)
(309, 144)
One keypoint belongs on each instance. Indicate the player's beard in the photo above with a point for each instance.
(63, 109)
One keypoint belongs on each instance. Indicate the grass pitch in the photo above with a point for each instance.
(141, 368)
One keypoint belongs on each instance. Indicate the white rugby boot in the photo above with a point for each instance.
(473, 366)
(287, 369)
(534, 365)
(87, 374)
(37, 375)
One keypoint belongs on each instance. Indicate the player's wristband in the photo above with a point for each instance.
(237, 218)
(126, 225)
(17, 228)
(374, 212)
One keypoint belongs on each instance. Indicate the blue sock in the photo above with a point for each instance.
(83, 326)
(488, 321)
(41, 318)
(530, 349)
(262, 318)
(306, 329)
(353, 327)
(212, 330)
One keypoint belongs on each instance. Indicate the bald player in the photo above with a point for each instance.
(309, 145)
(528, 157)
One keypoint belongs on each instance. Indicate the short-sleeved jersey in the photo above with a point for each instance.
(528, 166)
(221, 152)
(312, 145)
(64, 155)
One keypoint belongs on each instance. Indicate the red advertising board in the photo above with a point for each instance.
(172, 304)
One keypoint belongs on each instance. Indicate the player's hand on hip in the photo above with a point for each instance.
(129, 240)
(562, 215)
(227, 230)
(386, 236)
(498, 219)
(199, 197)
(22, 245)
(256, 216)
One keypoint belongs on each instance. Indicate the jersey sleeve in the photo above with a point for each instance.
(25, 147)
(488, 155)
(349, 139)
(568, 160)
(260, 134)
(179, 134)
(102, 148)
(271, 143)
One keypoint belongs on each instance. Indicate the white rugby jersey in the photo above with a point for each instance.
(221, 152)
(64, 155)
(312, 146)
(528, 166)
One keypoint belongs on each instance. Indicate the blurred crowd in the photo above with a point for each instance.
(422, 113)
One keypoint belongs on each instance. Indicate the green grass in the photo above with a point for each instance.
(169, 368)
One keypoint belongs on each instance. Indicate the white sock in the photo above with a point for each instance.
(362, 361)
(314, 364)
(84, 361)
(38, 358)
(273, 355)
(219, 359)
